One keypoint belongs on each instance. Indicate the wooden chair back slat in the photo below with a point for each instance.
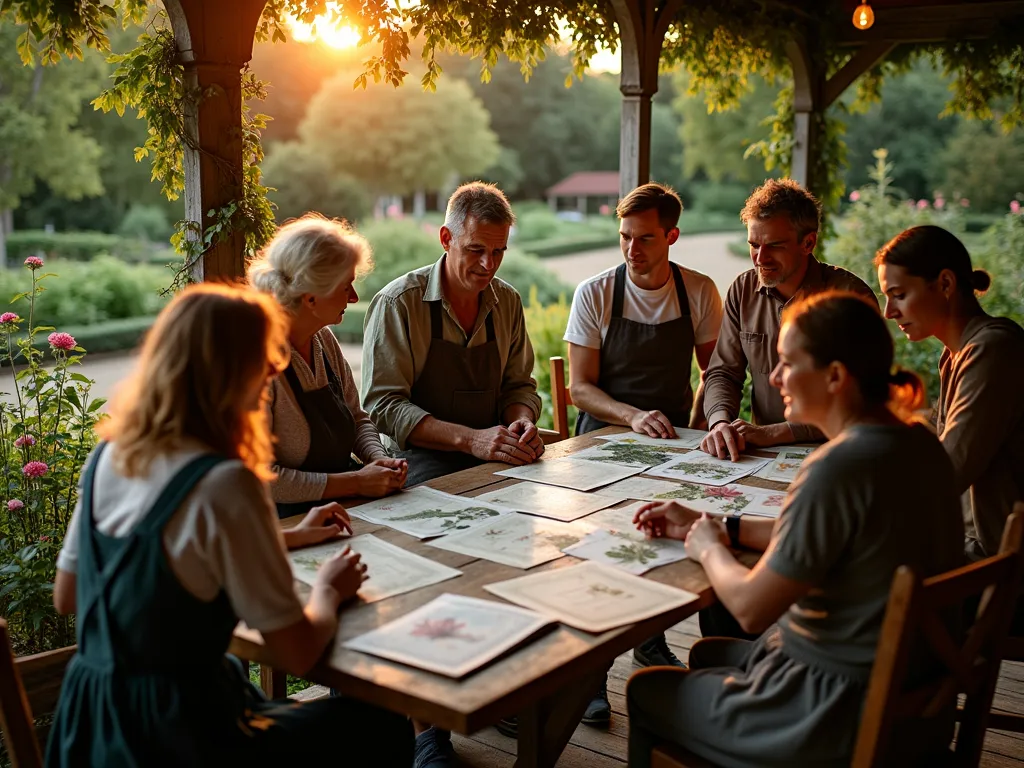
(971, 667)
(42, 675)
(561, 398)
(15, 714)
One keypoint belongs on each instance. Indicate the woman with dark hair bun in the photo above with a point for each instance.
(930, 286)
(880, 494)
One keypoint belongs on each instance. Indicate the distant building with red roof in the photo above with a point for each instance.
(585, 191)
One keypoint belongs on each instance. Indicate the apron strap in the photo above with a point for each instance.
(619, 292)
(684, 302)
(489, 322)
(436, 321)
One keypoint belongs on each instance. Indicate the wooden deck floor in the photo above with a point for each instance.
(598, 748)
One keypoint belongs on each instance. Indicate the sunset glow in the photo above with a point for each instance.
(332, 33)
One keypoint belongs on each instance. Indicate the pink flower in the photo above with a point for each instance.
(854, 196)
(35, 469)
(15, 504)
(44, 538)
(61, 340)
(922, 204)
(721, 493)
(33, 263)
(24, 440)
(605, 209)
(1014, 206)
(965, 203)
(940, 203)
(9, 317)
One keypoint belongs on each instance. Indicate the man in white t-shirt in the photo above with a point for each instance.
(633, 331)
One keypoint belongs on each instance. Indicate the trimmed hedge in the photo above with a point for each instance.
(109, 336)
(75, 246)
(561, 246)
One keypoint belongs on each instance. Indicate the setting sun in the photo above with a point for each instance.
(325, 28)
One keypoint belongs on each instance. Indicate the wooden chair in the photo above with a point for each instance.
(970, 667)
(28, 684)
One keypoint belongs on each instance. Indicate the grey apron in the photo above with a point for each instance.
(332, 431)
(646, 366)
(459, 384)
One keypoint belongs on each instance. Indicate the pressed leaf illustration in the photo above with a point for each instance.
(456, 519)
(630, 552)
(701, 470)
(561, 540)
(627, 452)
(604, 589)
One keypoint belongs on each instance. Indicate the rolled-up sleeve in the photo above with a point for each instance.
(723, 382)
(517, 382)
(387, 372)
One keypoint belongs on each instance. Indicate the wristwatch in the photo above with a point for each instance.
(732, 527)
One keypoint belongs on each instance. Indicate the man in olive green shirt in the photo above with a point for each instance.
(447, 362)
(782, 221)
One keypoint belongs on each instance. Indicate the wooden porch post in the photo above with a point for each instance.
(642, 27)
(215, 38)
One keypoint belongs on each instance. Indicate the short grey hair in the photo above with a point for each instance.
(308, 255)
(484, 202)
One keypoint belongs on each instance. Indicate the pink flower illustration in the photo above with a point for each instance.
(61, 340)
(9, 317)
(33, 263)
(35, 469)
(442, 629)
(1015, 206)
(24, 440)
(922, 204)
(774, 501)
(854, 196)
(15, 504)
(721, 493)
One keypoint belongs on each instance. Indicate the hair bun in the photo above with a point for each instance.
(980, 280)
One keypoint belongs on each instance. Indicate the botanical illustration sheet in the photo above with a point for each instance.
(627, 454)
(563, 504)
(521, 541)
(783, 469)
(686, 438)
(804, 449)
(630, 551)
(569, 472)
(392, 570)
(699, 467)
(615, 519)
(592, 596)
(640, 487)
(725, 499)
(451, 635)
(424, 512)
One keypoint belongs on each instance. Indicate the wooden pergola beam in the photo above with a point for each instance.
(864, 59)
(215, 40)
(934, 23)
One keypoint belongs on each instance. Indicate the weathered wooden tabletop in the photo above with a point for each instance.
(540, 671)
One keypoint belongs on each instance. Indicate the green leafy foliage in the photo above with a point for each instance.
(84, 293)
(301, 182)
(546, 326)
(46, 433)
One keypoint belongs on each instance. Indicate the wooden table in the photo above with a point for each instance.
(547, 683)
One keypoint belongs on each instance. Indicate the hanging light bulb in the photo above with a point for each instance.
(863, 17)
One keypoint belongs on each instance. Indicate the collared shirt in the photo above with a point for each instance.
(749, 339)
(396, 342)
(980, 421)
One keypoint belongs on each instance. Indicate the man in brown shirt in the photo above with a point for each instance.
(782, 221)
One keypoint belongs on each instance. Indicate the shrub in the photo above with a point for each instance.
(401, 246)
(100, 290)
(720, 197)
(74, 246)
(301, 181)
(146, 222)
(46, 433)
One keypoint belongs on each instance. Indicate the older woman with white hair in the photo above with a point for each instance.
(309, 267)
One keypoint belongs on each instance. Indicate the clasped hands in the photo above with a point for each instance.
(518, 443)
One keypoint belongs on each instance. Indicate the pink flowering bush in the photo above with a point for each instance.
(46, 433)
